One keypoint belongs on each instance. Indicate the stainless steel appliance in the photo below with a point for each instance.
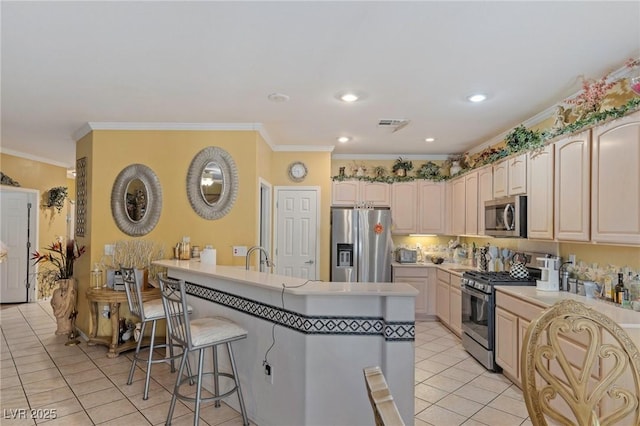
(406, 256)
(361, 245)
(478, 311)
(506, 217)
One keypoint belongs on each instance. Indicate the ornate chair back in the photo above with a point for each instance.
(174, 299)
(579, 367)
(384, 407)
(134, 292)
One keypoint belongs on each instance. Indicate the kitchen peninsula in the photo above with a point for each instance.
(316, 336)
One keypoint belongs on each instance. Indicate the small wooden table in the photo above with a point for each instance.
(97, 296)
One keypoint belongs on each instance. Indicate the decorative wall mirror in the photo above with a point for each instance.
(136, 200)
(212, 183)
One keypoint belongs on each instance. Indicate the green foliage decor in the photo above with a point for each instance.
(518, 140)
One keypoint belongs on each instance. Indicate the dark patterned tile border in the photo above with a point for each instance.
(333, 325)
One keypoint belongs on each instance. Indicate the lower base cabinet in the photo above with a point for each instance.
(449, 301)
(423, 280)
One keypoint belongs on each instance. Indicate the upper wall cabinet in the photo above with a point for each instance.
(510, 177)
(485, 193)
(431, 207)
(540, 194)
(571, 207)
(352, 192)
(471, 203)
(615, 181)
(458, 206)
(404, 211)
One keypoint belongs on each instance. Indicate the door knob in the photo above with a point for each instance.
(310, 262)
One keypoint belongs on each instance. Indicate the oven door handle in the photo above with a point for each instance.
(476, 293)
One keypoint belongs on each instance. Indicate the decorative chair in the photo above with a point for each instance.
(571, 384)
(384, 407)
(150, 311)
(196, 336)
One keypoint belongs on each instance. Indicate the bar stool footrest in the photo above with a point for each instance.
(210, 398)
(145, 359)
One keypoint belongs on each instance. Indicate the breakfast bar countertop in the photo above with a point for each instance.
(626, 318)
(292, 285)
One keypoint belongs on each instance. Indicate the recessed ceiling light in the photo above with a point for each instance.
(278, 97)
(350, 96)
(430, 139)
(478, 97)
(344, 139)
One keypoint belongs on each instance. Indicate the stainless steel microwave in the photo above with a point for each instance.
(506, 217)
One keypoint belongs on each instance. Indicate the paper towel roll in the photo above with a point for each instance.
(208, 256)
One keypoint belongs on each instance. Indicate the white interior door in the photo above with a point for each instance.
(18, 232)
(297, 232)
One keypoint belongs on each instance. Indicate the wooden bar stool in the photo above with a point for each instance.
(198, 335)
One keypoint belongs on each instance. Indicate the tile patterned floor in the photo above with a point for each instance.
(39, 373)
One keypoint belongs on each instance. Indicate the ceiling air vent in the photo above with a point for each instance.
(393, 124)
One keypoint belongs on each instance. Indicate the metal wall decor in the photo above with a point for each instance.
(81, 196)
(212, 183)
(136, 200)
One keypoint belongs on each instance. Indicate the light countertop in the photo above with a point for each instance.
(626, 318)
(292, 285)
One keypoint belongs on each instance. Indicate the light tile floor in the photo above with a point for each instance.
(39, 373)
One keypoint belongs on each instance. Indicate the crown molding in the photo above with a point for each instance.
(35, 158)
(304, 148)
(389, 157)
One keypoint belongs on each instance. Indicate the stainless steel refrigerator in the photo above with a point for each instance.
(361, 245)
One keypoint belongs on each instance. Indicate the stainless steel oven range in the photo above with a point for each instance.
(478, 311)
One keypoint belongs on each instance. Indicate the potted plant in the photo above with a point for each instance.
(401, 167)
(56, 197)
(521, 139)
(60, 259)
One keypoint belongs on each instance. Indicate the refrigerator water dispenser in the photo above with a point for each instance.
(345, 256)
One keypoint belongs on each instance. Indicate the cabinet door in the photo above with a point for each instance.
(572, 192)
(345, 193)
(500, 179)
(442, 301)
(615, 182)
(404, 211)
(540, 194)
(416, 277)
(471, 203)
(458, 210)
(448, 208)
(455, 306)
(523, 324)
(507, 342)
(431, 208)
(485, 193)
(517, 170)
(376, 193)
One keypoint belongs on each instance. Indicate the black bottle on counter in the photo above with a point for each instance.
(619, 290)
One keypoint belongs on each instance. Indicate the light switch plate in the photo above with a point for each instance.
(109, 249)
(240, 251)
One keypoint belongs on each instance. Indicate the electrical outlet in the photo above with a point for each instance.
(268, 373)
(572, 259)
(240, 251)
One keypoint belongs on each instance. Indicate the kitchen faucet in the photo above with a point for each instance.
(267, 260)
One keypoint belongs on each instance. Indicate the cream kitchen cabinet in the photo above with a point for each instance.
(423, 279)
(540, 194)
(572, 187)
(442, 296)
(485, 193)
(471, 203)
(513, 316)
(404, 210)
(615, 181)
(449, 300)
(458, 206)
(355, 192)
(431, 207)
(510, 177)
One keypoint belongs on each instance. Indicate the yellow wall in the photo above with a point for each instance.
(41, 176)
